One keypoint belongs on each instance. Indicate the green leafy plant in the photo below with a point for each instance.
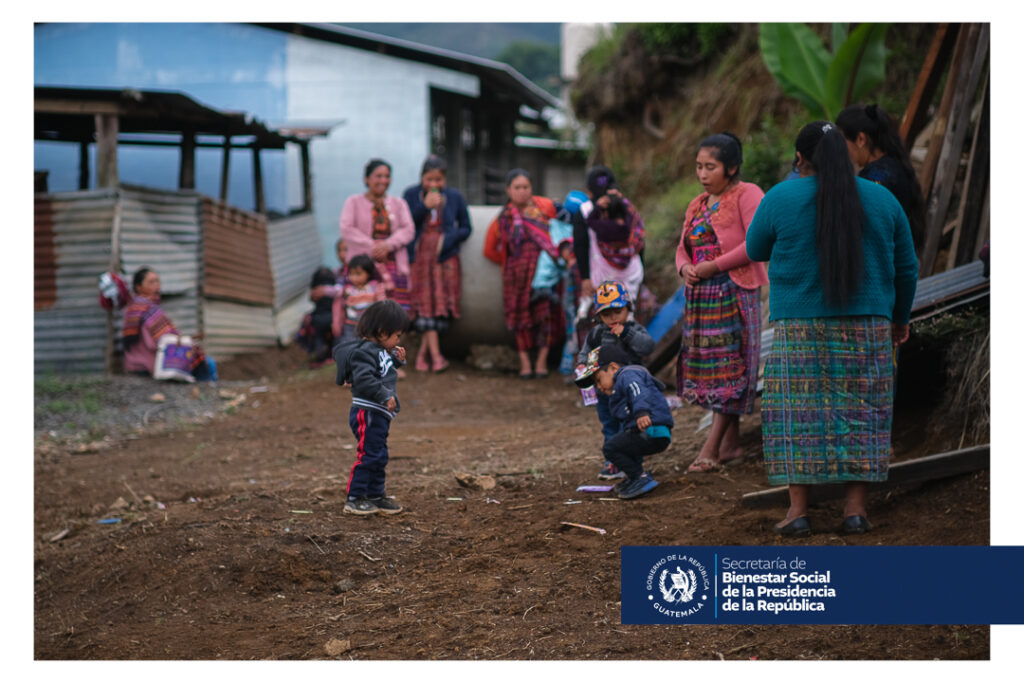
(825, 82)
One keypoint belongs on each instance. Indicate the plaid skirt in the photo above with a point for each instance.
(826, 411)
(721, 346)
(435, 287)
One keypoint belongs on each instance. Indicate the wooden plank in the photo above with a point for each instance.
(106, 150)
(939, 53)
(257, 179)
(937, 466)
(187, 168)
(975, 190)
(225, 166)
(963, 88)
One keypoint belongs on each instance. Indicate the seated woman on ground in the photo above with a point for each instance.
(145, 322)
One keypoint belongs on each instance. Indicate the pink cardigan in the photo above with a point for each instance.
(735, 211)
(357, 228)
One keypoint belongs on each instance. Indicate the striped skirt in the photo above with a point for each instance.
(826, 411)
(721, 346)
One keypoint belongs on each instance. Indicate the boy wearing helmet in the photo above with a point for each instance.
(614, 328)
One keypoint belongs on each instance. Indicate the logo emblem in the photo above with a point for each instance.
(682, 584)
(386, 363)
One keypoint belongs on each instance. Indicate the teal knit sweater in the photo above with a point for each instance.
(782, 233)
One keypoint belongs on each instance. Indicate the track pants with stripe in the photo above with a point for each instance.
(370, 428)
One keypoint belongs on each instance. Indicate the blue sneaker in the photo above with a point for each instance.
(610, 471)
(633, 488)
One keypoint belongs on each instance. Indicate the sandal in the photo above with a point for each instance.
(422, 365)
(704, 465)
(440, 367)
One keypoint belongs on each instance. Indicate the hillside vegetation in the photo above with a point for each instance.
(653, 91)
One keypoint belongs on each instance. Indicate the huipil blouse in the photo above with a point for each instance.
(357, 228)
(736, 208)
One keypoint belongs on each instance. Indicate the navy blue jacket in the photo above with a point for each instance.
(454, 220)
(372, 371)
(637, 393)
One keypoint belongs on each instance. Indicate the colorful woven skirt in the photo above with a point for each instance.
(721, 346)
(826, 411)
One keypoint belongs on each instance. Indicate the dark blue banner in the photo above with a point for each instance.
(822, 585)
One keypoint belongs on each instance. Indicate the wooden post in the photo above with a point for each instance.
(972, 196)
(307, 177)
(106, 150)
(187, 168)
(942, 117)
(964, 88)
(83, 165)
(257, 178)
(225, 167)
(927, 81)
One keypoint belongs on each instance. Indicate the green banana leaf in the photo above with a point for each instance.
(799, 62)
(857, 69)
(839, 33)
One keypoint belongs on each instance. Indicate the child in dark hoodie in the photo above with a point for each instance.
(370, 365)
(635, 399)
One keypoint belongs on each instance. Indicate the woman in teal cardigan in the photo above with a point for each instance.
(842, 276)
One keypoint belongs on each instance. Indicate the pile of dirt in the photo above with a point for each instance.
(226, 540)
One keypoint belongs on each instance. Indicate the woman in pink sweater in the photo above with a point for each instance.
(719, 355)
(380, 226)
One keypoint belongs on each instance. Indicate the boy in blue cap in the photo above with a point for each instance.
(612, 307)
(636, 400)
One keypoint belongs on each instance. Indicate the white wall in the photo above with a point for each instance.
(385, 105)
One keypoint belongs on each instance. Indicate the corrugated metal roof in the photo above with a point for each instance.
(294, 255)
(950, 284)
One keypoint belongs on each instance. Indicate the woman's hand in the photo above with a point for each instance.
(587, 289)
(380, 250)
(689, 275)
(317, 292)
(433, 199)
(900, 334)
(705, 269)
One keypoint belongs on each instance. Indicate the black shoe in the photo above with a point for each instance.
(632, 488)
(360, 506)
(386, 505)
(798, 527)
(855, 524)
(618, 487)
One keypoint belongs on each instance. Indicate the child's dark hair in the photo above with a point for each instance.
(382, 320)
(840, 214)
(364, 263)
(323, 276)
(728, 151)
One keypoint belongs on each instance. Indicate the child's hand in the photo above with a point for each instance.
(643, 422)
(391, 404)
(617, 329)
(399, 352)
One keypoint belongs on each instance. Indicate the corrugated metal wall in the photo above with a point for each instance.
(254, 276)
(160, 229)
(70, 335)
(294, 256)
(236, 257)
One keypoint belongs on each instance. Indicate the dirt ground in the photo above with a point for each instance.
(230, 543)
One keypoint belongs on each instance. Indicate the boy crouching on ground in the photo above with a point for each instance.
(635, 399)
